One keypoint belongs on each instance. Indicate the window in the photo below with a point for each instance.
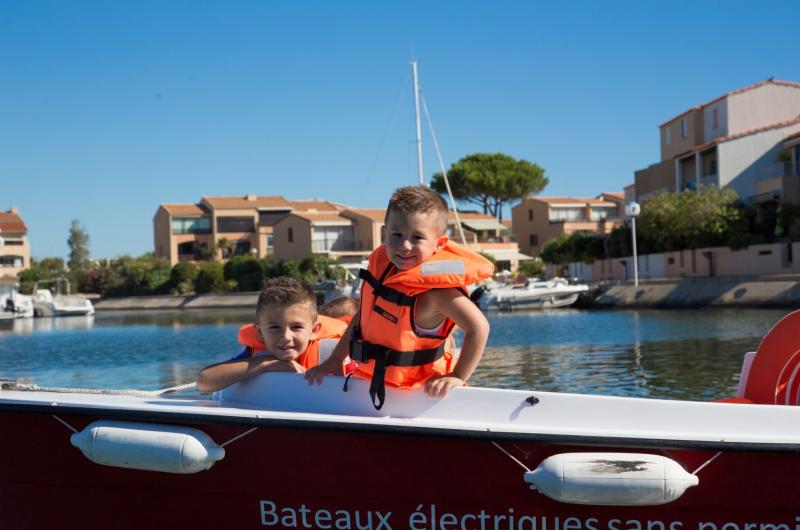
(715, 118)
(290, 235)
(534, 240)
(667, 136)
(11, 261)
(235, 224)
(327, 238)
(186, 249)
(191, 225)
(684, 128)
(567, 214)
(530, 215)
(602, 212)
(242, 248)
(268, 244)
(271, 217)
(13, 242)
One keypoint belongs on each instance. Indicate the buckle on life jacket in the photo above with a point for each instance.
(385, 357)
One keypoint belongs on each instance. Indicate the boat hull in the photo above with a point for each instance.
(287, 474)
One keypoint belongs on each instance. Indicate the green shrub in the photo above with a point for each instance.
(531, 268)
(211, 279)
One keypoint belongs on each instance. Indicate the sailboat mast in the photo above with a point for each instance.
(419, 127)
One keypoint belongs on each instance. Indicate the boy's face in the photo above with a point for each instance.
(412, 238)
(287, 330)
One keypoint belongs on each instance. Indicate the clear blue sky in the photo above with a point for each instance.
(108, 109)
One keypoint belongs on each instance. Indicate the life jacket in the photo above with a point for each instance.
(384, 342)
(318, 350)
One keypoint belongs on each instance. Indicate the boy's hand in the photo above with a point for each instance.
(316, 374)
(438, 386)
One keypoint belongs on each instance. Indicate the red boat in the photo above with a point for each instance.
(275, 453)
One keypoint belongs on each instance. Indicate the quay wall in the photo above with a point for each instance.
(777, 291)
(711, 262)
(193, 301)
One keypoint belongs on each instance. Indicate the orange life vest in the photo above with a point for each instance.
(385, 342)
(332, 328)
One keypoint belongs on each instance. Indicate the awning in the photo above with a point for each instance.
(483, 224)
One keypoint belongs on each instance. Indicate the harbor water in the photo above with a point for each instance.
(673, 354)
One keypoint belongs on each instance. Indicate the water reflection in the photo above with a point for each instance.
(688, 354)
(25, 326)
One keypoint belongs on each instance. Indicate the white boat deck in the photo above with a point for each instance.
(482, 411)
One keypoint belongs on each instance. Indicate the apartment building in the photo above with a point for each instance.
(539, 219)
(484, 233)
(15, 252)
(746, 139)
(222, 227)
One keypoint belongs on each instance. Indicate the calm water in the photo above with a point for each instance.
(686, 354)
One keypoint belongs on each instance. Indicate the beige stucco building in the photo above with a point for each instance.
(264, 226)
(742, 139)
(15, 251)
(286, 229)
(539, 219)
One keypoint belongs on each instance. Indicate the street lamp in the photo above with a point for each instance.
(632, 209)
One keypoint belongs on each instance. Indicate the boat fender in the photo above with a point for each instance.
(611, 479)
(149, 447)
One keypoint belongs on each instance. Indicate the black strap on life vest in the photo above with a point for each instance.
(385, 357)
(387, 293)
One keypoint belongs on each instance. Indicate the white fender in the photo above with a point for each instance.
(611, 479)
(149, 447)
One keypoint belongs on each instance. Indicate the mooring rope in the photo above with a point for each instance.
(29, 387)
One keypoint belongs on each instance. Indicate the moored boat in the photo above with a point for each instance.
(546, 294)
(275, 453)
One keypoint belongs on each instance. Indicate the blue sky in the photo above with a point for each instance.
(108, 109)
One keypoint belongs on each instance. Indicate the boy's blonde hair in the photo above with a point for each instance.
(284, 291)
(419, 200)
(343, 306)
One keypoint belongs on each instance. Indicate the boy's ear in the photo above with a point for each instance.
(316, 329)
(258, 330)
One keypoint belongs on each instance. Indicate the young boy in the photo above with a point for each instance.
(412, 297)
(286, 336)
(343, 308)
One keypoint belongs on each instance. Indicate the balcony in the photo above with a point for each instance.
(778, 181)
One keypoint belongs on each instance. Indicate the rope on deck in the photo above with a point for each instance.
(29, 387)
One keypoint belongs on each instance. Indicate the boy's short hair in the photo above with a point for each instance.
(284, 291)
(419, 200)
(340, 307)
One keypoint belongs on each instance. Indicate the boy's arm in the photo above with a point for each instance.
(224, 374)
(453, 304)
(334, 363)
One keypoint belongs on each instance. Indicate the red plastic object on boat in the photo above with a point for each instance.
(774, 378)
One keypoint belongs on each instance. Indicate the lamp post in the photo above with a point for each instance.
(632, 209)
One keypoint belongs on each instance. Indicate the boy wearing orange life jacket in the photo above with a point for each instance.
(288, 336)
(412, 297)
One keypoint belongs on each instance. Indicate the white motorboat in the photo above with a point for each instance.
(532, 295)
(13, 304)
(47, 305)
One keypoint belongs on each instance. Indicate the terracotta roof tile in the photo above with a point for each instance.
(11, 222)
(184, 209)
(314, 204)
(792, 136)
(315, 217)
(376, 214)
(470, 216)
(732, 93)
(248, 201)
(721, 139)
(573, 200)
